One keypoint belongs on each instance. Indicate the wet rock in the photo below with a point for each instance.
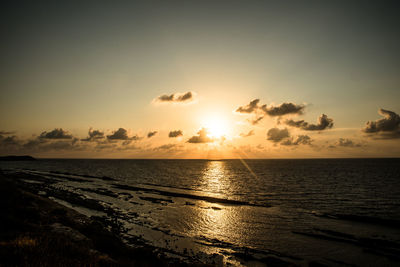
(156, 200)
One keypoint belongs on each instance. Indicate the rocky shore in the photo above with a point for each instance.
(36, 231)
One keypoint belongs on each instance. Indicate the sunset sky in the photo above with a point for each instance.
(200, 79)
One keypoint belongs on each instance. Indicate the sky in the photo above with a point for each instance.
(200, 79)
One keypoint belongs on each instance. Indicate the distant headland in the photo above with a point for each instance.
(17, 158)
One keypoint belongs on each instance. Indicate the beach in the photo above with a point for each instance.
(211, 213)
(37, 231)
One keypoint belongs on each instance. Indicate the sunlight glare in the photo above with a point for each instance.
(216, 126)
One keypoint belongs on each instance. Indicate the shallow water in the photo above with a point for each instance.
(332, 211)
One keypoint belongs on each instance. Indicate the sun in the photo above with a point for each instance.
(216, 126)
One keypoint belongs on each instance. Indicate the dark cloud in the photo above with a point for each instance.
(201, 137)
(283, 109)
(94, 135)
(300, 140)
(57, 133)
(177, 98)
(347, 143)
(250, 108)
(166, 98)
(323, 123)
(386, 128)
(261, 111)
(276, 135)
(250, 133)
(185, 97)
(120, 134)
(173, 134)
(280, 110)
(151, 134)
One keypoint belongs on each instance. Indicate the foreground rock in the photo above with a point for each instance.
(35, 231)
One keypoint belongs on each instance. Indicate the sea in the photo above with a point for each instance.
(333, 212)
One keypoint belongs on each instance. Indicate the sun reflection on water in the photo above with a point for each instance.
(216, 221)
(213, 176)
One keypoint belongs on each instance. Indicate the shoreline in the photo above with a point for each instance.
(89, 210)
(38, 231)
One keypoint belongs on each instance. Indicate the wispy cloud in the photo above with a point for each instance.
(250, 133)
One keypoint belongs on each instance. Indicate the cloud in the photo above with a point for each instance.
(201, 137)
(166, 98)
(347, 143)
(175, 98)
(46, 144)
(256, 120)
(261, 111)
(173, 134)
(106, 146)
(57, 133)
(122, 134)
(280, 110)
(386, 128)
(276, 135)
(6, 133)
(8, 141)
(151, 134)
(323, 123)
(60, 145)
(250, 108)
(166, 147)
(185, 97)
(250, 133)
(300, 140)
(94, 135)
(31, 144)
(283, 109)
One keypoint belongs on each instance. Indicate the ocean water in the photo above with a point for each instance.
(330, 211)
